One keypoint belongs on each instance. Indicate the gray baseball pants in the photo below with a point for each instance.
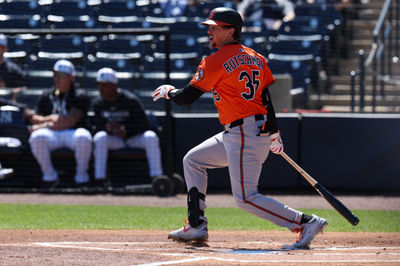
(244, 153)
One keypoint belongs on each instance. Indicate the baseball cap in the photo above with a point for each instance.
(224, 16)
(3, 40)
(107, 74)
(64, 66)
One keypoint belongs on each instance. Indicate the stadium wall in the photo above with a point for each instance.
(357, 152)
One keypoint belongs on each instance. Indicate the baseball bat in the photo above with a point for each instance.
(337, 204)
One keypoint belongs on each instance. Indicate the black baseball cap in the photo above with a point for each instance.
(225, 16)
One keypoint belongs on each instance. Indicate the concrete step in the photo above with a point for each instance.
(345, 100)
(345, 80)
(370, 13)
(367, 109)
(346, 90)
(345, 66)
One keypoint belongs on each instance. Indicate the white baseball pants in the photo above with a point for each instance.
(44, 140)
(148, 141)
(244, 153)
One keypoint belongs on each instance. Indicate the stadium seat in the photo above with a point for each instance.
(182, 46)
(300, 74)
(130, 48)
(294, 50)
(306, 51)
(19, 50)
(119, 11)
(22, 9)
(39, 73)
(129, 24)
(256, 40)
(305, 28)
(202, 9)
(8, 22)
(327, 13)
(71, 47)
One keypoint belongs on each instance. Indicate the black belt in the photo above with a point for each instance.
(239, 122)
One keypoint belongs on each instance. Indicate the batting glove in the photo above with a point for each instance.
(162, 92)
(276, 143)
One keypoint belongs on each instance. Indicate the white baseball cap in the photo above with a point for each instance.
(3, 40)
(107, 74)
(64, 66)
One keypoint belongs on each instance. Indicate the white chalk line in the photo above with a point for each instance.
(199, 256)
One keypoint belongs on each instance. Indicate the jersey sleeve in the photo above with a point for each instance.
(268, 77)
(207, 75)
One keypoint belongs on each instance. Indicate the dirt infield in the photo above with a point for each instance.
(129, 247)
(90, 247)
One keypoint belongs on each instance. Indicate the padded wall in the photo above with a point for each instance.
(355, 152)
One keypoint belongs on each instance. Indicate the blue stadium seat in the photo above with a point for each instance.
(19, 49)
(71, 23)
(306, 51)
(129, 24)
(189, 27)
(181, 72)
(70, 14)
(130, 48)
(40, 73)
(256, 40)
(294, 51)
(22, 9)
(71, 47)
(300, 74)
(202, 9)
(119, 11)
(9, 22)
(307, 28)
(182, 46)
(325, 12)
(69, 9)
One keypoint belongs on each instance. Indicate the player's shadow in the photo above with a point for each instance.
(240, 250)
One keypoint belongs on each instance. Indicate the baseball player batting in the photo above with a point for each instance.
(239, 79)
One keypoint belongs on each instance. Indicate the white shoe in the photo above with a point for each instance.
(188, 233)
(315, 226)
(6, 172)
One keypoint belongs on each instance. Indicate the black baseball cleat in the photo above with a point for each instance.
(82, 187)
(50, 186)
(102, 185)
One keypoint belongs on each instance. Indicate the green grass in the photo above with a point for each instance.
(26, 216)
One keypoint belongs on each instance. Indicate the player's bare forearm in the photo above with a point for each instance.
(40, 119)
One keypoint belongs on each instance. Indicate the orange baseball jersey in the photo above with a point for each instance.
(236, 75)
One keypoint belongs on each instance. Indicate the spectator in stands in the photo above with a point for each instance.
(60, 122)
(272, 12)
(5, 172)
(120, 121)
(11, 75)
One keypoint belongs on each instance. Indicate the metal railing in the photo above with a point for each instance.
(381, 49)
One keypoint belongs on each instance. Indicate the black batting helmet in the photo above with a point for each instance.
(225, 16)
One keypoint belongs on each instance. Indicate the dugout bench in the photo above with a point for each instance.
(127, 168)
